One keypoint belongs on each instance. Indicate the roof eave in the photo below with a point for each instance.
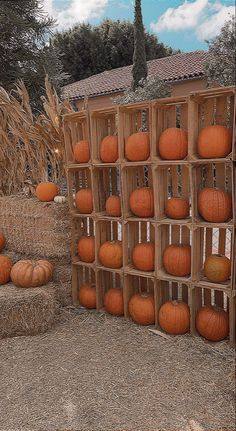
(107, 93)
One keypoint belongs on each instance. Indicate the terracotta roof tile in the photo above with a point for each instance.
(173, 68)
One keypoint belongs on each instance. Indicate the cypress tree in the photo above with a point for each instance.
(139, 70)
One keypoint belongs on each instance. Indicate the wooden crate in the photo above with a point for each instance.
(136, 232)
(103, 122)
(171, 181)
(219, 297)
(216, 175)
(207, 241)
(77, 179)
(106, 280)
(210, 107)
(80, 276)
(166, 235)
(133, 118)
(76, 128)
(136, 284)
(107, 230)
(166, 113)
(107, 182)
(170, 291)
(134, 177)
(81, 226)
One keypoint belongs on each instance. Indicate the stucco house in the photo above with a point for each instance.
(184, 71)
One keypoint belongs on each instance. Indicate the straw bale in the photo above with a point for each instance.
(26, 311)
(36, 228)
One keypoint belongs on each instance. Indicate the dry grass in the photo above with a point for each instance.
(30, 144)
(98, 373)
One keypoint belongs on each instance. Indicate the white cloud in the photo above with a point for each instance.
(212, 25)
(205, 17)
(77, 11)
(184, 16)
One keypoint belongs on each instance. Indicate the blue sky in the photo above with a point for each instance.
(180, 24)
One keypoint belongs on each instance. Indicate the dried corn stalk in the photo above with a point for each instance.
(31, 149)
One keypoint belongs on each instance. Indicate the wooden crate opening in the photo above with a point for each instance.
(81, 227)
(136, 284)
(136, 232)
(107, 280)
(103, 123)
(107, 182)
(133, 118)
(78, 179)
(167, 113)
(81, 275)
(207, 241)
(167, 235)
(76, 128)
(215, 107)
(220, 297)
(171, 181)
(211, 175)
(134, 177)
(107, 230)
(170, 291)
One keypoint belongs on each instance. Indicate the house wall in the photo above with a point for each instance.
(181, 88)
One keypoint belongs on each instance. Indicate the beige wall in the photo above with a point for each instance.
(181, 88)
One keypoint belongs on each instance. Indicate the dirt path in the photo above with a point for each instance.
(98, 373)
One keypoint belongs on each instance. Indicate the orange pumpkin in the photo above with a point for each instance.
(174, 317)
(46, 192)
(214, 205)
(84, 201)
(5, 269)
(142, 309)
(2, 241)
(177, 260)
(113, 206)
(110, 254)
(173, 144)
(82, 152)
(86, 248)
(137, 147)
(113, 301)
(87, 296)
(141, 202)
(214, 142)
(109, 149)
(212, 323)
(143, 256)
(177, 208)
(217, 268)
(29, 273)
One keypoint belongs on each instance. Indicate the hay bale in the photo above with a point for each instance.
(26, 311)
(36, 228)
(62, 275)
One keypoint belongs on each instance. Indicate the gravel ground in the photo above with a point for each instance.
(94, 372)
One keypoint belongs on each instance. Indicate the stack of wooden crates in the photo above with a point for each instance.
(168, 179)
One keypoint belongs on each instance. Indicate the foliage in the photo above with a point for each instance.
(221, 66)
(139, 69)
(30, 145)
(153, 88)
(87, 50)
(24, 50)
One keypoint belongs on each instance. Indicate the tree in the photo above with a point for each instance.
(221, 65)
(24, 49)
(153, 88)
(87, 50)
(139, 70)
